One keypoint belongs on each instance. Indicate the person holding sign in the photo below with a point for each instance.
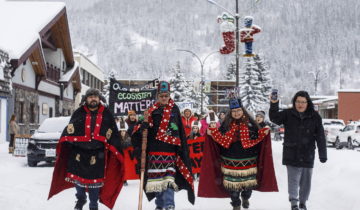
(88, 149)
(234, 158)
(168, 163)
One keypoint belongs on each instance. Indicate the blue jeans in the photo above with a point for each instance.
(93, 195)
(248, 47)
(165, 198)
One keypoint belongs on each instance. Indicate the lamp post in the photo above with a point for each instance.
(202, 63)
(236, 16)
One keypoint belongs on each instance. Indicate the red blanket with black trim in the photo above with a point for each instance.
(211, 178)
(106, 133)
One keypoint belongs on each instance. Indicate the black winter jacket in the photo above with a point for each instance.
(301, 133)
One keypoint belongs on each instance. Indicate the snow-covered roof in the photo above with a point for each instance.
(67, 76)
(323, 99)
(21, 23)
(349, 90)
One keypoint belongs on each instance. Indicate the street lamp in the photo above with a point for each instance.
(236, 16)
(202, 63)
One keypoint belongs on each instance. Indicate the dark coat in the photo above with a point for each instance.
(301, 134)
(155, 145)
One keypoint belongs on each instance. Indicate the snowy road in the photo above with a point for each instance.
(336, 185)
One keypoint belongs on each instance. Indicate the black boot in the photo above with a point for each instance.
(245, 203)
(79, 204)
(302, 206)
(170, 208)
(125, 183)
(94, 208)
(295, 207)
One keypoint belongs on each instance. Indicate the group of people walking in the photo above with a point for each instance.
(237, 155)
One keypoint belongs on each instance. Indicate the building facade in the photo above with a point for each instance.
(45, 76)
(92, 76)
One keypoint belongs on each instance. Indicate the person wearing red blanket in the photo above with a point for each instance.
(237, 158)
(168, 163)
(89, 155)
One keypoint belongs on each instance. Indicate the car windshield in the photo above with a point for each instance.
(53, 125)
(336, 123)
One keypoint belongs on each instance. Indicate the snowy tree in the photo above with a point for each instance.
(231, 71)
(196, 98)
(180, 88)
(251, 88)
(5, 71)
(184, 90)
(263, 77)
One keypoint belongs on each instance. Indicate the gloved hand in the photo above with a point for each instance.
(323, 160)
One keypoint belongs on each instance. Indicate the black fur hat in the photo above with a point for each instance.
(92, 92)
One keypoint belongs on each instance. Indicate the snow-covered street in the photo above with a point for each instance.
(335, 186)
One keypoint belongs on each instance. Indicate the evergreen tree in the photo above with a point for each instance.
(231, 71)
(264, 77)
(184, 91)
(252, 88)
(181, 90)
(5, 72)
(196, 98)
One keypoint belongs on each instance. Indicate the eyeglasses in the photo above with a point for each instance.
(164, 96)
(301, 102)
(236, 111)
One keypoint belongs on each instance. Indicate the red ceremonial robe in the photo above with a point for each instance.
(114, 175)
(211, 177)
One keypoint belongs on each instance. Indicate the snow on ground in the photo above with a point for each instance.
(335, 186)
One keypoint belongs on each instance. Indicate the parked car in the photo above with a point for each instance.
(332, 127)
(348, 136)
(42, 144)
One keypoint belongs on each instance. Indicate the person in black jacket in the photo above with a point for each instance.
(303, 128)
(168, 163)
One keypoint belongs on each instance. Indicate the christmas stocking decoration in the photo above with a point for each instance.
(227, 29)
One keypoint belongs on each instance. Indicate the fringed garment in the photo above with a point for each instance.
(239, 155)
(239, 174)
(161, 172)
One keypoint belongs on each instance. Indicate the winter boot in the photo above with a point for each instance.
(79, 204)
(170, 208)
(295, 207)
(125, 183)
(237, 208)
(245, 203)
(302, 206)
(11, 150)
(94, 208)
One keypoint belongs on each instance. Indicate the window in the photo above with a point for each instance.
(50, 112)
(86, 78)
(38, 114)
(83, 75)
(32, 113)
(21, 112)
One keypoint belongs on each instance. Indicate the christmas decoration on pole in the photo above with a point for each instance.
(247, 33)
(227, 29)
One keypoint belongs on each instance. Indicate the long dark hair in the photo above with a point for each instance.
(302, 93)
(246, 118)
